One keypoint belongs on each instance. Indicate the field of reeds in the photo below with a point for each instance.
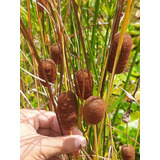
(81, 36)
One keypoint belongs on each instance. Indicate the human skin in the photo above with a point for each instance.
(40, 136)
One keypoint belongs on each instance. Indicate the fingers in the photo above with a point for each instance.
(37, 118)
(43, 122)
(51, 133)
(51, 146)
(76, 131)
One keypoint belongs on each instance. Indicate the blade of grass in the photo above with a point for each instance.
(26, 99)
(34, 75)
(90, 53)
(94, 22)
(22, 87)
(26, 58)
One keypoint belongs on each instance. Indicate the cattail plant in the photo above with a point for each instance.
(68, 110)
(88, 84)
(124, 55)
(50, 70)
(56, 54)
(128, 152)
(94, 110)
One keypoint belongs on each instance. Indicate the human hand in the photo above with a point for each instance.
(40, 137)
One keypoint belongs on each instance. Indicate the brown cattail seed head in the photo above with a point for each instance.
(128, 152)
(88, 84)
(56, 54)
(124, 54)
(94, 110)
(50, 70)
(68, 109)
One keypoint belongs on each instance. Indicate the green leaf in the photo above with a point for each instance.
(29, 79)
(134, 107)
(135, 116)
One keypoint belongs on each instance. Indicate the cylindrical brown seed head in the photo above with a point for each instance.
(68, 110)
(94, 110)
(124, 54)
(128, 152)
(56, 54)
(88, 84)
(50, 70)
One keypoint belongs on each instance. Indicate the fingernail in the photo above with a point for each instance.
(80, 140)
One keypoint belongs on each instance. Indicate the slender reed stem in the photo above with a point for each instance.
(85, 153)
(103, 71)
(127, 134)
(95, 141)
(137, 132)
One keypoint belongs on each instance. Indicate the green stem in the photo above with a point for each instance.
(41, 32)
(93, 38)
(137, 132)
(95, 140)
(94, 22)
(93, 61)
(105, 45)
(127, 134)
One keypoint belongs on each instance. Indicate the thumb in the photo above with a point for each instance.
(51, 146)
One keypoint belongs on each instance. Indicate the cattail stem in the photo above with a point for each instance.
(127, 134)
(103, 71)
(85, 153)
(95, 141)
